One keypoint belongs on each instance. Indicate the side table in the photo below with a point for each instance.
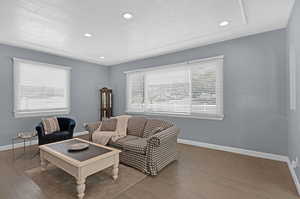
(24, 137)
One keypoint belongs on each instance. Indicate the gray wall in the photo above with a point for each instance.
(294, 116)
(255, 98)
(86, 78)
(255, 80)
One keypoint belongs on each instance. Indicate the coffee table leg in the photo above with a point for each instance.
(116, 167)
(80, 188)
(44, 162)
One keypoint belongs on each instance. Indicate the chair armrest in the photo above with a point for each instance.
(163, 136)
(71, 126)
(92, 127)
(40, 130)
(66, 124)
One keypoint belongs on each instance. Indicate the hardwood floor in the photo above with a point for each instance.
(198, 174)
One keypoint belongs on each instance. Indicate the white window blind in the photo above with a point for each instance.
(40, 89)
(188, 89)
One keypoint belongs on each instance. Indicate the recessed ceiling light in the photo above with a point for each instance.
(102, 57)
(88, 35)
(224, 23)
(127, 15)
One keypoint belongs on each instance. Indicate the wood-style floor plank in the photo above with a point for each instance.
(198, 174)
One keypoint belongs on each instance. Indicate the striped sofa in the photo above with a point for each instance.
(149, 146)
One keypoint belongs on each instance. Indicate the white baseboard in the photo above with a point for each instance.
(235, 150)
(258, 154)
(294, 176)
(81, 133)
(17, 145)
(34, 142)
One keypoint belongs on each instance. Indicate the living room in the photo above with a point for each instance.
(152, 99)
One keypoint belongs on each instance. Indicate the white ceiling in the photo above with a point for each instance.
(158, 26)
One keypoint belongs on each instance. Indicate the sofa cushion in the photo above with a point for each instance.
(109, 125)
(154, 126)
(136, 125)
(119, 143)
(137, 145)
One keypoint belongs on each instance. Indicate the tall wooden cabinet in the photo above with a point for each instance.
(105, 103)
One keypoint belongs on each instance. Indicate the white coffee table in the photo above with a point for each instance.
(80, 164)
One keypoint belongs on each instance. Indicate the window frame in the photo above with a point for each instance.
(42, 112)
(219, 90)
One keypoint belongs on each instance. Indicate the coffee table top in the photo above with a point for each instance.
(95, 151)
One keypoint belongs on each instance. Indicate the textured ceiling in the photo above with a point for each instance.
(158, 26)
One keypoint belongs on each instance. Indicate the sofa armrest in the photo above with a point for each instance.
(161, 149)
(92, 127)
(163, 136)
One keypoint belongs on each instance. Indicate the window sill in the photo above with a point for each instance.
(200, 117)
(40, 114)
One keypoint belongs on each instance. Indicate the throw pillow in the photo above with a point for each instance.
(136, 126)
(50, 125)
(109, 125)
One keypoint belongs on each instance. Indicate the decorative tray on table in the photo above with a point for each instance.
(78, 147)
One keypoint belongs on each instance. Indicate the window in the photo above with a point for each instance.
(40, 89)
(192, 89)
